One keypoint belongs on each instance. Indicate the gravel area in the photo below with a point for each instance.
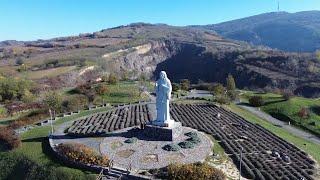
(146, 154)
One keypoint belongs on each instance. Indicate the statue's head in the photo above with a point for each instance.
(163, 75)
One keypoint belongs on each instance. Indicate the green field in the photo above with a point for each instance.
(123, 92)
(288, 110)
(309, 147)
(47, 72)
(36, 148)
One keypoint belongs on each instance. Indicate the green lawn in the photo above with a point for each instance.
(276, 106)
(310, 147)
(123, 92)
(35, 146)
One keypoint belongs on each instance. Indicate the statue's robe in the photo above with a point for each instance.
(163, 92)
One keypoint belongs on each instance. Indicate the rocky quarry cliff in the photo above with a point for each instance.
(184, 52)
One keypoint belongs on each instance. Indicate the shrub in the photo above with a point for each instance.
(31, 118)
(81, 153)
(222, 99)
(194, 140)
(287, 95)
(256, 101)
(218, 89)
(187, 145)
(19, 61)
(185, 84)
(194, 172)
(112, 79)
(3, 112)
(233, 95)
(75, 102)
(304, 113)
(175, 87)
(101, 89)
(9, 138)
(131, 140)
(191, 134)
(171, 147)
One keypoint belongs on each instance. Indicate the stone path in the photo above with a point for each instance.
(298, 132)
(148, 154)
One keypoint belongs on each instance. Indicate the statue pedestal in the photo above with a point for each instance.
(167, 123)
(161, 133)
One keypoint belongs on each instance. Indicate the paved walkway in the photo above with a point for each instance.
(296, 131)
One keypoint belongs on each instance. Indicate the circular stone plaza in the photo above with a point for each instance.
(119, 134)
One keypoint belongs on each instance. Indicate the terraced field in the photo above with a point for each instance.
(264, 155)
(235, 133)
(119, 118)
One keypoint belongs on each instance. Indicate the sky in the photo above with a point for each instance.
(44, 19)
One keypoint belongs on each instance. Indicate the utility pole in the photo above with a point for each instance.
(278, 6)
(51, 121)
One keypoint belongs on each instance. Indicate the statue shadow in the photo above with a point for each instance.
(135, 132)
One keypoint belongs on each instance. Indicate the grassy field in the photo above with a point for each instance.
(307, 146)
(35, 145)
(47, 72)
(288, 110)
(123, 92)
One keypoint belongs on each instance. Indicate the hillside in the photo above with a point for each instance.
(145, 49)
(297, 32)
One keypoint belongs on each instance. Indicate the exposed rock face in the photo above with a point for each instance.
(141, 59)
(183, 52)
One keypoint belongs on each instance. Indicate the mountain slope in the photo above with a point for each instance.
(145, 49)
(299, 32)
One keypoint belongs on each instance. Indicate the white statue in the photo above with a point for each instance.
(163, 90)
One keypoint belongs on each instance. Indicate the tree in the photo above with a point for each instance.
(27, 97)
(143, 77)
(256, 101)
(11, 88)
(185, 84)
(222, 99)
(112, 79)
(105, 78)
(233, 95)
(175, 87)
(231, 85)
(75, 103)
(91, 95)
(19, 61)
(218, 89)
(101, 89)
(53, 100)
(287, 95)
(304, 113)
(318, 55)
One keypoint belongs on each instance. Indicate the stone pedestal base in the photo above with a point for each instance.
(167, 123)
(159, 133)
